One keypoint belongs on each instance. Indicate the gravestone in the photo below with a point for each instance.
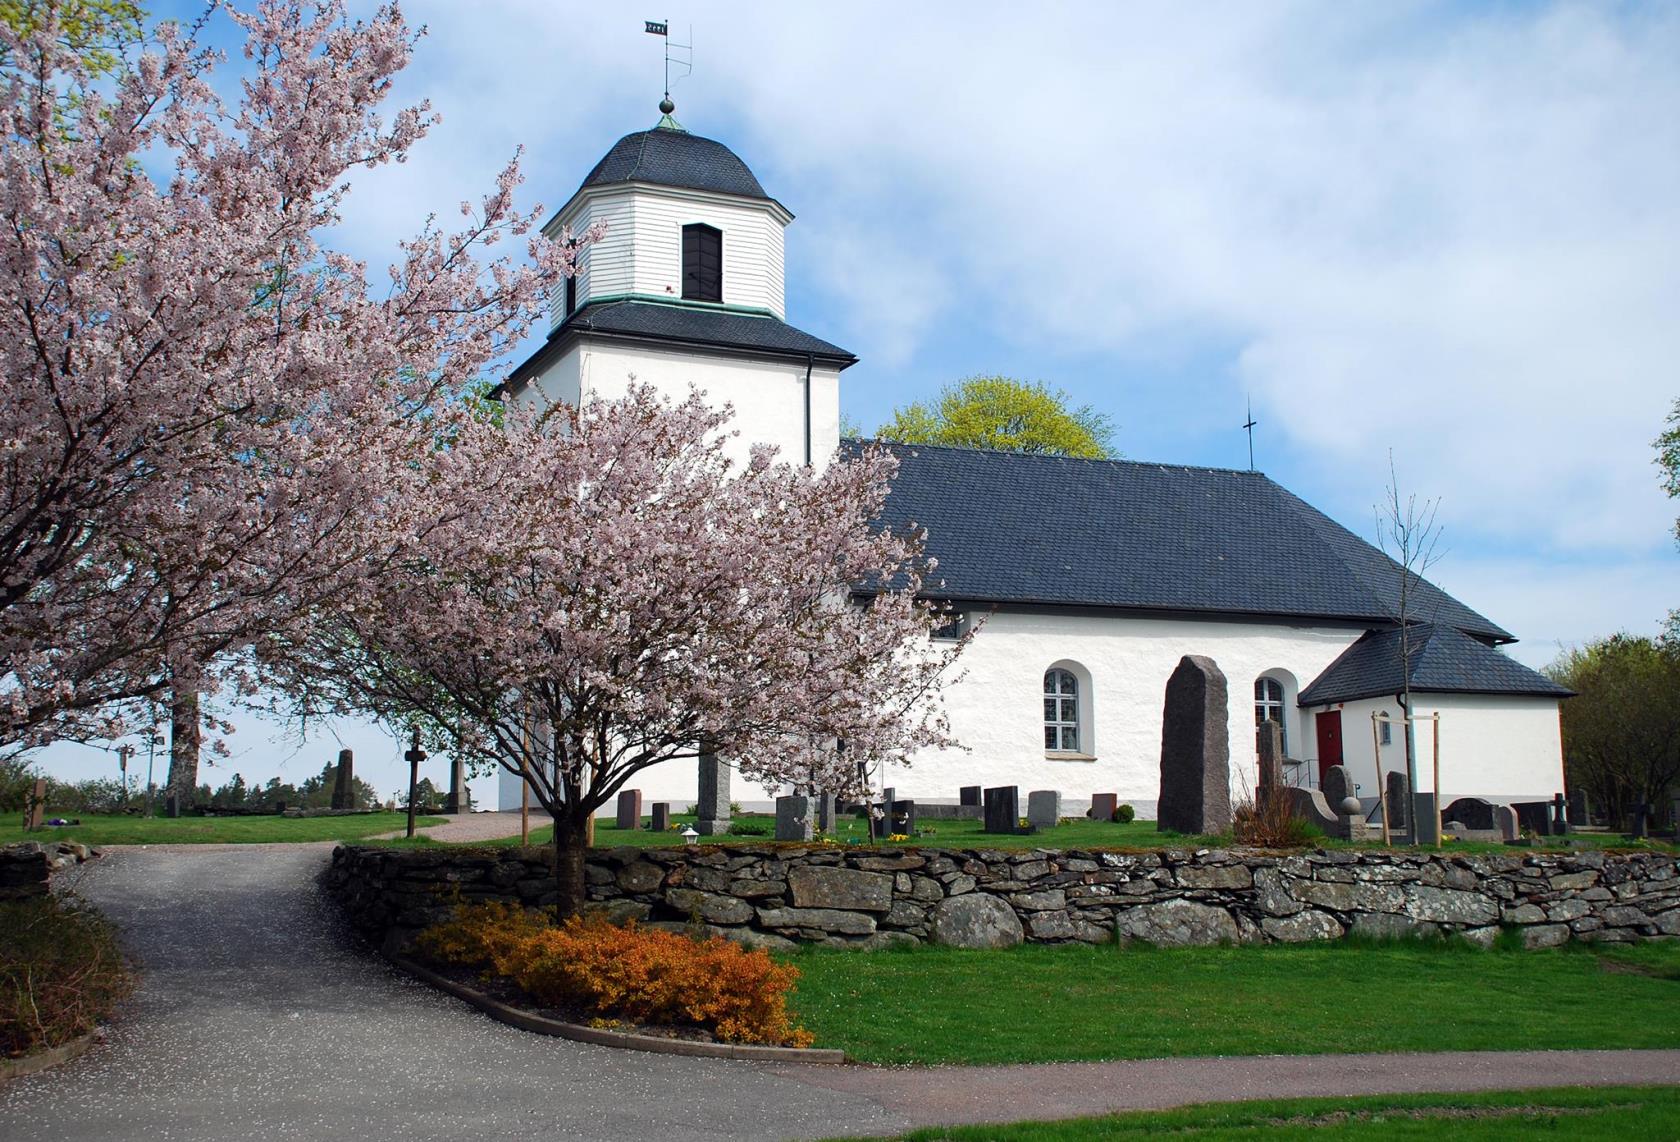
(1271, 760)
(35, 812)
(458, 795)
(1534, 817)
(1423, 811)
(901, 818)
(629, 809)
(171, 804)
(1505, 818)
(1044, 808)
(661, 816)
(969, 795)
(1337, 786)
(793, 818)
(1195, 750)
(1103, 806)
(1395, 798)
(713, 810)
(1471, 812)
(1577, 807)
(1641, 820)
(1674, 817)
(344, 781)
(1560, 816)
(825, 812)
(1003, 810)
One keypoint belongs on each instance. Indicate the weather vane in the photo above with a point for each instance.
(662, 29)
(1249, 425)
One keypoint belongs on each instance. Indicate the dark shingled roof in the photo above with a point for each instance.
(1443, 661)
(1014, 528)
(675, 158)
(684, 324)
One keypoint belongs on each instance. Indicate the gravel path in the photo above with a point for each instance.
(469, 827)
(258, 1018)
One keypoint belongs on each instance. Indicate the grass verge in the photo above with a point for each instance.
(1039, 1003)
(1586, 1114)
(119, 830)
(61, 973)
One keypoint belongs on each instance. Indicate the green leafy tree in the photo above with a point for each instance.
(1668, 459)
(95, 31)
(1005, 415)
(1621, 734)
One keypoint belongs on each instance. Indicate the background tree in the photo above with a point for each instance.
(1668, 460)
(1621, 733)
(1408, 534)
(607, 592)
(208, 417)
(1006, 415)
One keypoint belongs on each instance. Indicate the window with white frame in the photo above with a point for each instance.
(1268, 707)
(1061, 711)
(952, 625)
(1385, 730)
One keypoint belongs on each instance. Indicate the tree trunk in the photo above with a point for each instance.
(185, 737)
(570, 844)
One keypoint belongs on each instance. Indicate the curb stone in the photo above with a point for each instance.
(601, 1037)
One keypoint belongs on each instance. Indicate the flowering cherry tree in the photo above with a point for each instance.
(604, 591)
(210, 422)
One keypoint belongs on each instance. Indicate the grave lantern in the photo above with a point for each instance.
(688, 835)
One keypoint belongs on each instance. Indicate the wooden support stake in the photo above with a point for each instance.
(1435, 744)
(1382, 786)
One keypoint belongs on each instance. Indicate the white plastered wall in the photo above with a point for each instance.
(1499, 747)
(997, 709)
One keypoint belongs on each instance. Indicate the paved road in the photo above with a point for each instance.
(258, 1019)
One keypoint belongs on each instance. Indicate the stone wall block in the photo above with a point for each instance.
(819, 887)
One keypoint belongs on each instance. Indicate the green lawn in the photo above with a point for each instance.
(212, 830)
(1039, 1003)
(1578, 1114)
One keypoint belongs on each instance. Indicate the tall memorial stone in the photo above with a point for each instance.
(661, 816)
(713, 812)
(344, 781)
(825, 812)
(1003, 810)
(1195, 750)
(1270, 750)
(1577, 807)
(459, 799)
(793, 818)
(1044, 808)
(629, 809)
(1337, 788)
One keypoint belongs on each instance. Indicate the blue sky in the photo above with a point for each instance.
(1449, 231)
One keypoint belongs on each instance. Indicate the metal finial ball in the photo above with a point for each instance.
(666, 106)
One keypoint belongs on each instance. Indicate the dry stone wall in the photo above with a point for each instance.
(776, 896)
(25, 868)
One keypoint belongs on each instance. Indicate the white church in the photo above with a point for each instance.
(1092, 577)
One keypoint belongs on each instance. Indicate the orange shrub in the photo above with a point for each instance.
(645, 975)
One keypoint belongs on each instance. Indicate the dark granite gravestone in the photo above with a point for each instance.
(1103, 806)
(171, 804)
(969, 795)
(825, 812)
(1560, 816)
(793, 818)
(1423, 811)
(713, 811)
(1003, 810)
(1044, 808)
(629, 809)
(661, 816)
(1195, 750)
(344, 787)
(1471, 812)
(1395, 797)
(1577, 810)
(900, 818)
(1337, 786)
(1505, 820)
(1534, 817)
(1640, 825)
(1271, 760)
(458, 799)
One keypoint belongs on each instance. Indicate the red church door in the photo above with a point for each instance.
(1329, 741)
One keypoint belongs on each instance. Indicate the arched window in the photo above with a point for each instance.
(1385, 730)
(1268, 707)
(1061, 711)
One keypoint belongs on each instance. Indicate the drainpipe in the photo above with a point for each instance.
(808, 362)
(1411, 770)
